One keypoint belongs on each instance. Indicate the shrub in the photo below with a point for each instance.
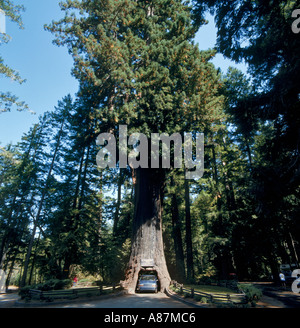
(201, 299)
(24, 292)
(253, 294)
(186, 295)
(52, 284)
(204, 280)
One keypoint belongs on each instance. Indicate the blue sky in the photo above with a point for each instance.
(47, 67)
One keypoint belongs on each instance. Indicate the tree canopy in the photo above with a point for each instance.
(138, 65)
(8, 100)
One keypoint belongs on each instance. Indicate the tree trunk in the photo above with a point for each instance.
(179, 253)
(117, 211)
(248, 149)
(11, 269)
(33, 260)
(147, 241)
(188, 227)
(71, 223)
(28, 254)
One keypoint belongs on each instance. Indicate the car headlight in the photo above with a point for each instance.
(154, 285)
(141, 285)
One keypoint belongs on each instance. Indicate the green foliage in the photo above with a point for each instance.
(7, 100)
(24, 292)
(206, 280)
(254, 192)
(186, 295)
(52, 284)
(157, 80)
(137, 65)
(201, 299)
(12, 11)
(253, 294)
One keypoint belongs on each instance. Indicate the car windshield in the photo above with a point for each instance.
(148, 278)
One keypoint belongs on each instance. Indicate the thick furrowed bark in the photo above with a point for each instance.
(147, 243)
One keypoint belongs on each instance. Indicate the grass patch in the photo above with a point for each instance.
(221, 296)
(211, 289)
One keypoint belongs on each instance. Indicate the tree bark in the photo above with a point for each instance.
(188, 227)
(117, 211)
(177, 236)
(147, 240)
(71, 223)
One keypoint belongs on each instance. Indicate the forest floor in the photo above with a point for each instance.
(273, 297)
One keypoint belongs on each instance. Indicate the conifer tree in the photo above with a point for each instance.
(60, 118)
(260, 34)
(139, 60)
(8, 100)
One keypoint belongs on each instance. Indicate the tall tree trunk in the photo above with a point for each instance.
(70, 224)
(248, 149)
(188, 227)
(33, 260)
(291, 243)
(223, 259)
(100, 218)
(84, 180)
(11, 269)
(176, 225)
(117, 211)
(28, 254)
(147, 241)
(179, 254)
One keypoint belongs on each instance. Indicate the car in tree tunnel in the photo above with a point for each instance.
(147, 283)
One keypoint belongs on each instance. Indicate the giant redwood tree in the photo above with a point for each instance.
(139, 59)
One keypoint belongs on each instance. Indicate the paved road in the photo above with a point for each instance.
(158, 300)
(273, 298)
(288, 299)
(8, 300)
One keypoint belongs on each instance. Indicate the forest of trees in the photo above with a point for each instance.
(137, 65)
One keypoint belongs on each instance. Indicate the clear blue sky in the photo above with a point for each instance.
(47, 67)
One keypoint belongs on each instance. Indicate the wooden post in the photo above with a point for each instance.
(192, 292)
(75, 292)
(228, 297)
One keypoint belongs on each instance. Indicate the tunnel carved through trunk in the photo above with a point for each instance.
(147, 241)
